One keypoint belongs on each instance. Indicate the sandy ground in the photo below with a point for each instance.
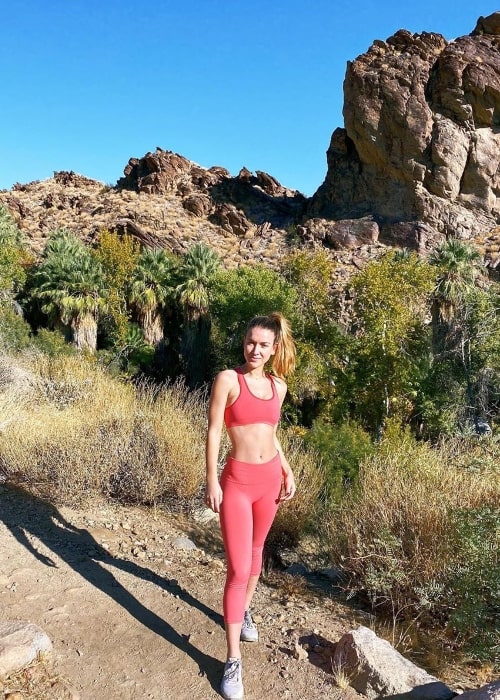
(134, 614)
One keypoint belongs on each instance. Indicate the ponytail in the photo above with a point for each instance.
(284, 358)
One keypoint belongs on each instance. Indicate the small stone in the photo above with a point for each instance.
(299, 653)
(184, 543)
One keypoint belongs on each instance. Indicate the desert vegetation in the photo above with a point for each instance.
(391, 424)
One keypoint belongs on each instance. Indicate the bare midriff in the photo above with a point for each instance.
(252, 443)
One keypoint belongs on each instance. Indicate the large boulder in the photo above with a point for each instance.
(421, 142)
(376, 669)
(487, 692)
(20, 643)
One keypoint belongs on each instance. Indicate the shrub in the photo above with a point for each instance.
(408, 536)
(52, 343)
(84, 433)
(296, 516)
(15, 332)
(341, 449)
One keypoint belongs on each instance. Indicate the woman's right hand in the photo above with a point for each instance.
(213, 496)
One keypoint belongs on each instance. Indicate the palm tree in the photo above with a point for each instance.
(151, 289)
(459, 265)
(70, 284)
(198, 268)
(459, 269)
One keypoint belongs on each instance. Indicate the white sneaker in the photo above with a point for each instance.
(249, 632)
(231, 686)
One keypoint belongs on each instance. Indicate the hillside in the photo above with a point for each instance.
(417, 160)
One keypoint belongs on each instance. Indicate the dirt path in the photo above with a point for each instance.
(132, 612)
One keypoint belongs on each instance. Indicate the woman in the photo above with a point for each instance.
(256, 477)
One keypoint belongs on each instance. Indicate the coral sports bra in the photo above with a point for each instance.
(249, 409)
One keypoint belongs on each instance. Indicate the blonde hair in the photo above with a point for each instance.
(284, 358)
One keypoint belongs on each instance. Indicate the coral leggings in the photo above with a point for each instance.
(250, 501)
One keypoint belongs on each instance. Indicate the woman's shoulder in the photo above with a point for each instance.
(280, 383)
(226, 377)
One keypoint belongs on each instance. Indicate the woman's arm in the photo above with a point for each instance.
(218, 400)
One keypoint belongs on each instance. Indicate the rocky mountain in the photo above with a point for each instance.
(417, 160)
(420, 150)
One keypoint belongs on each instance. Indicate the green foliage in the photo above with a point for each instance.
(320, 339)
(9, 232)
(15, 332)
(239, 295)
(459, 265)
(118, 257)
(13, 257)
(475, 581)
(198, 267)
(464, 377)
(52, 343)
(390, 303)
(151, 291)
(70, 284)
(341, 448)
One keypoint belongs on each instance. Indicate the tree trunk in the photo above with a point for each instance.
(84, 329)
(194, 349)
(152, 326)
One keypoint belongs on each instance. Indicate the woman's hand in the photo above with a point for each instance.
(288, 486)
(213, 495)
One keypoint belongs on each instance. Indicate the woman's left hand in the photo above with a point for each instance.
(289, 487)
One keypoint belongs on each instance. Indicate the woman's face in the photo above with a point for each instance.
(258, 346)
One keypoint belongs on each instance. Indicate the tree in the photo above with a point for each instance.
(13, 258)
(459, 267)
(237, 296)
(69, 282)
(321, 338)
(151, 290)
(390, 304)
(197, 270)
(464, 324)
(118, 256)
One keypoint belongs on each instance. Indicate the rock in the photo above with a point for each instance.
(346, 233)
(20, 643)
(297, 569)
(184, 543)
(197, 204)
(421, 140)
(204, 515)
(299, 653)
(377, 670)
(487, 692)
(333, 574)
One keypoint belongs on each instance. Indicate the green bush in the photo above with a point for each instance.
(475, 582)
(418, 537)
(52, 343)
(341, 448)
(15, 332)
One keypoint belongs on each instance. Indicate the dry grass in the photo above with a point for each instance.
(394, 534)
(84, 433)
(37, 681)
(295, 516)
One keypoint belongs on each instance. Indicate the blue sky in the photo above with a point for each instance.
(87, 84)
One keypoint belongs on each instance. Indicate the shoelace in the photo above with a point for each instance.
(247, 621)
(231, 671)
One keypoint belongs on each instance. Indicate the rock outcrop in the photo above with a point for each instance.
(418, 160)
(420, 151)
